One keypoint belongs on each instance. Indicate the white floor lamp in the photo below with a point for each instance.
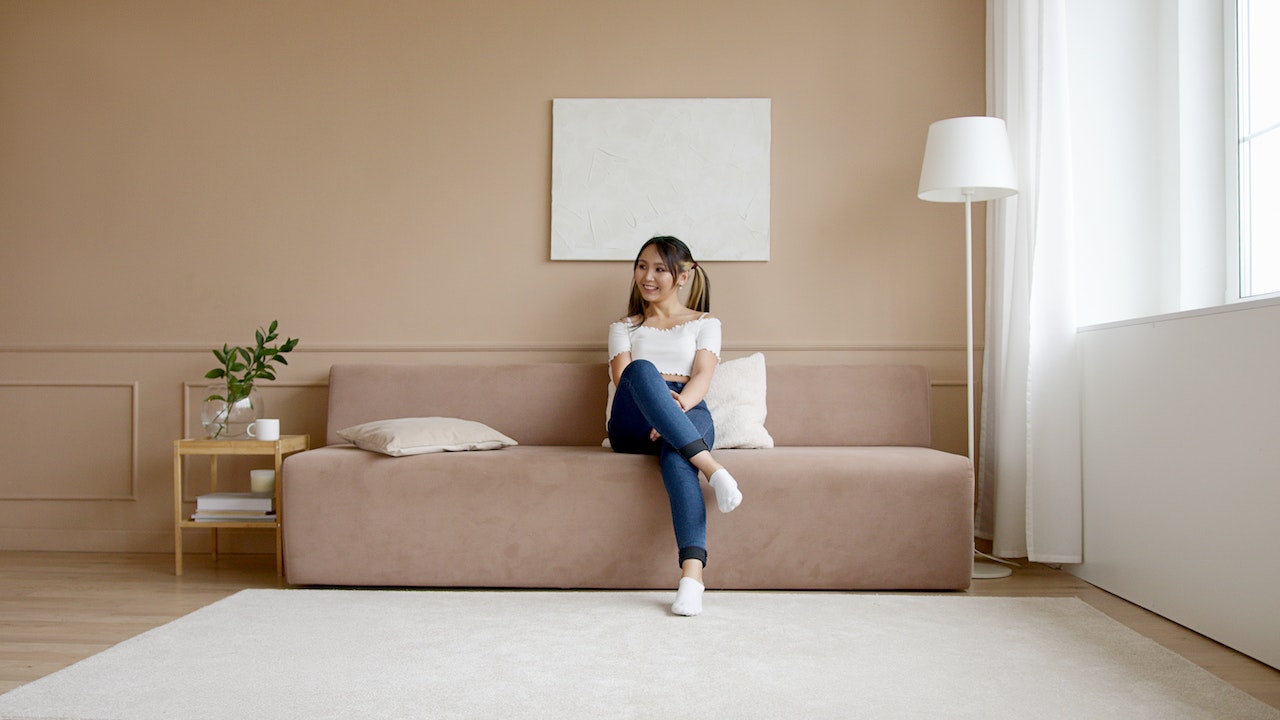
(967, 159)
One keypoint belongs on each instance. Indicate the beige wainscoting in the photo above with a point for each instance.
(68, 441)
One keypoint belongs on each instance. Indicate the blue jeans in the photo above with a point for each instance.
(643, 402)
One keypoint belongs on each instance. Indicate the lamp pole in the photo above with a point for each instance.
(968, 314)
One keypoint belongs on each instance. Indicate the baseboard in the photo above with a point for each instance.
(231, 542)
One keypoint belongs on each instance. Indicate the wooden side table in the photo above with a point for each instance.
(213, 448)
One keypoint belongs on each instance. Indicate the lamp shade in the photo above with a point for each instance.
(967, 158)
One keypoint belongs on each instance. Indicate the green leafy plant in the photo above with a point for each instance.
(240, 367)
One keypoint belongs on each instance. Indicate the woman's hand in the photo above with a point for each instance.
(680, 401)
(654, 435)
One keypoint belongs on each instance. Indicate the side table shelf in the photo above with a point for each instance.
(213, 448)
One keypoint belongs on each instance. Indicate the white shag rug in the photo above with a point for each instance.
(534, 654)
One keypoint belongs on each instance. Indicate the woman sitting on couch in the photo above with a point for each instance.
(662, 356)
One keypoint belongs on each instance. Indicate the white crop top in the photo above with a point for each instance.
(671, 351)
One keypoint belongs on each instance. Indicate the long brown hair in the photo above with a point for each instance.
(679, 258)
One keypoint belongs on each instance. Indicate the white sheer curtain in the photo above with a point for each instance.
(1029, 484)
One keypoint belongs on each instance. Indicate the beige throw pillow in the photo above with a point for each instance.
(736, 400)
(418, 436)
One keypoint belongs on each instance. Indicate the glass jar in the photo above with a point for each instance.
(228, 411)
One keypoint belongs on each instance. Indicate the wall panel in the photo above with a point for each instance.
(68, 441)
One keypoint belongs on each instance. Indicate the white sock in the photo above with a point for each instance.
(688, 597)
(728, 496)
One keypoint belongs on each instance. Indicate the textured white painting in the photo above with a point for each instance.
(624, 171)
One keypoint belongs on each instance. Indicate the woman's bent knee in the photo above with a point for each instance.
(639, 367)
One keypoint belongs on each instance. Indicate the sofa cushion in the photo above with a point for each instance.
(825, 518)
(828, 405)
(516, 399)
(419, 436)
(850, 405)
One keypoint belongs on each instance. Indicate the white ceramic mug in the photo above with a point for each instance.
(265, 429)
(262, 481)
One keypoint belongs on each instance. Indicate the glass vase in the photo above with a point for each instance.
(227, 414)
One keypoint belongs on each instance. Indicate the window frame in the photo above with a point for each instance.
(1238, 262)
(1231, 151)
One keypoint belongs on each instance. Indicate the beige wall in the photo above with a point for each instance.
(376, 175)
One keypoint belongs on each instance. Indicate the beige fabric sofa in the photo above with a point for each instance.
(851, 498)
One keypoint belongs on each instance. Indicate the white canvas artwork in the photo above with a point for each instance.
(624, 171)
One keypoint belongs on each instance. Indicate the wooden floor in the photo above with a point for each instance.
(59, 608)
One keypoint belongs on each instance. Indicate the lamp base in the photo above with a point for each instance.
(983, 570)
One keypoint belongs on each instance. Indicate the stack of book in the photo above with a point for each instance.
(235, 507)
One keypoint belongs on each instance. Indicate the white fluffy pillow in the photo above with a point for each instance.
(736, 400)
(418, 436)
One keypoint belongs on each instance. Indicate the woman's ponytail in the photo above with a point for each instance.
(699, 289)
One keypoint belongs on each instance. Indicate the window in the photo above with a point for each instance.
(1258, 142)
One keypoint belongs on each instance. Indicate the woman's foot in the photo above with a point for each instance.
(688, 597)
(728, 496)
